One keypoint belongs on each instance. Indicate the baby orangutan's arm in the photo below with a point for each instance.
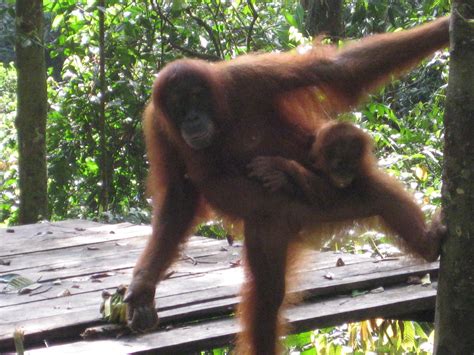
(280, 174)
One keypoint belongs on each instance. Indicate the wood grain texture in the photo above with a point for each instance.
(88, 257)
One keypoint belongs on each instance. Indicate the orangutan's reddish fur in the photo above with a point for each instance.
(261, 105)
(342, 156)
(352, 148)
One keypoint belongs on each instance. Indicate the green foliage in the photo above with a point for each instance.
(220, 351)
(213, 229)
(73, 136)
(7, 31)
(362, 17)
(373, 336)
(376, 336)
(8, 146)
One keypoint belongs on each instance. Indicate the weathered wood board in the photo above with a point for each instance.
(85, 258)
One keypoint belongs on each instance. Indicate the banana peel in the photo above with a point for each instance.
(113, 307)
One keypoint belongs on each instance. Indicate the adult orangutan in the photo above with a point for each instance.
(206, 122)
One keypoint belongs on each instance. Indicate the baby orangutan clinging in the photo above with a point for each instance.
(343, 152)
(339, 154)
(342, 157)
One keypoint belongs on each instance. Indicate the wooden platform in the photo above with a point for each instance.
(75, 260)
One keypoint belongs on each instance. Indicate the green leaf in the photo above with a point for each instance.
(57, 21)
(290, 19)
(91, 165)
(178, 5)
(408, 335)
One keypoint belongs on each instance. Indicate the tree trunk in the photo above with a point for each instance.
(105, 171)
(31, 110)
(323, 17)
(455, 302)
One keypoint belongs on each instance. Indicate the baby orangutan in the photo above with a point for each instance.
(343, 153)
(343, 166)
(340, 155)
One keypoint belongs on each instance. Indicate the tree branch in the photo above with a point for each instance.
(209, 31)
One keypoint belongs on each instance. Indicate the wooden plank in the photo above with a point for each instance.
(57, 235)
(198, 278)
(76, 271)
(78, 275)
(110, 256)
(197, 246)
(352, 276)
(311, 315)
(193, 292)
(221, 300)
(392, 302)
(47, 236)
(81, 310)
